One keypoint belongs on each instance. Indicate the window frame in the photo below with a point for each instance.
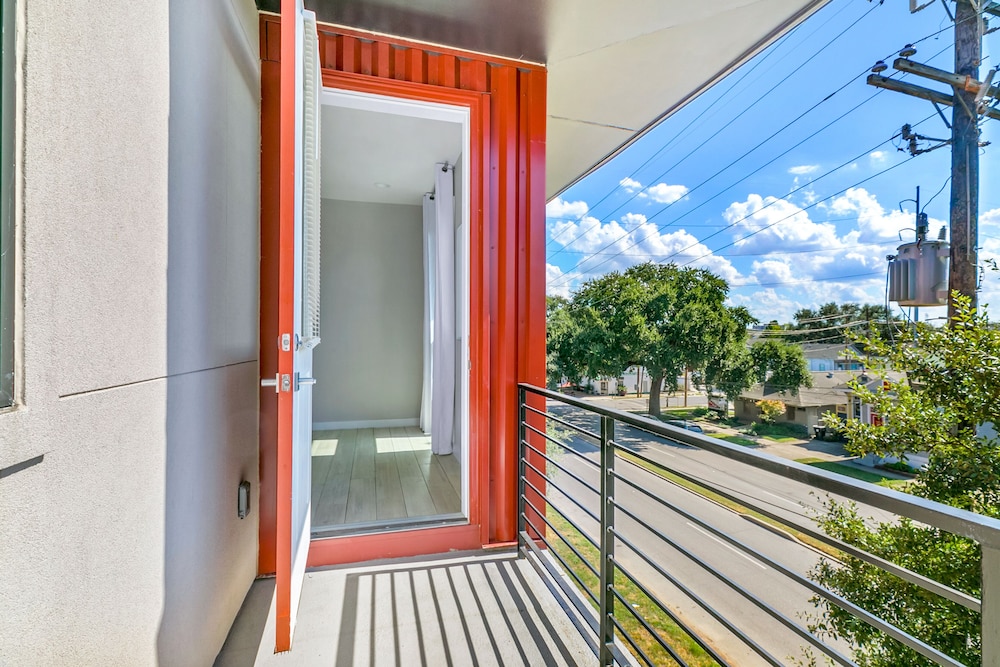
(7, 185)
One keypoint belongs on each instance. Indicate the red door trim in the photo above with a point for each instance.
(286, 324)
(348, 549)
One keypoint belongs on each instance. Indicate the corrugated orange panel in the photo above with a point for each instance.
(508, 310)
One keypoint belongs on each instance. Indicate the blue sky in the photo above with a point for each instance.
(790, 220)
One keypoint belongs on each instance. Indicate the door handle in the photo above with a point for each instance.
(279, 382)
(299, 381)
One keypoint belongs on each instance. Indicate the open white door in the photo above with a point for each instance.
(298, 304)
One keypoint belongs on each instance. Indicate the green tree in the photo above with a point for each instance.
(664, 318)
(952, 386)
(559, 333)
(780, 365)
(827, 323)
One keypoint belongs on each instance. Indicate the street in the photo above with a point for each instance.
(789, 499)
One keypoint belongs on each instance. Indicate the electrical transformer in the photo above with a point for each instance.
(918, 274)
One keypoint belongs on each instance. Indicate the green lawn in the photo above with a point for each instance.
(736, 440)
(669, 631)
(781, 432)
(851, 471)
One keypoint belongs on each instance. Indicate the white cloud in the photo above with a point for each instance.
(630, 184)
(666, 194)
(803, 169)
(554, 281)
(874, 222)
(618, 244)
(560, 208)
(878, 157)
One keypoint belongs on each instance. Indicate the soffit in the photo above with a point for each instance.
(362, 148)
(614, 68)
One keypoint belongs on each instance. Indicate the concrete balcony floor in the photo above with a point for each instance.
(460, 609)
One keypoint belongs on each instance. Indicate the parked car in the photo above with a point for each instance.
(690, 426)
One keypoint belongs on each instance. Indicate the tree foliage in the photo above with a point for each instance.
(666, 319)
(770, 410)
(952, 386)
(816, 325)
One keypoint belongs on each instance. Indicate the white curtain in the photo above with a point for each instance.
(428, 236)
(437, 405)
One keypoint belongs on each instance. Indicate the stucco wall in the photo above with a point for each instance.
(369, 366)
(137, 417)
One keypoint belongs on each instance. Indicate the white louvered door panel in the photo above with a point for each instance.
(311, 86)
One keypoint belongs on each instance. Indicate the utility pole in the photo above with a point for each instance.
(968, 101)
(963, 274)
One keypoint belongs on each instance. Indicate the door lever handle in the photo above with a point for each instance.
(299, 381)
(280, 383)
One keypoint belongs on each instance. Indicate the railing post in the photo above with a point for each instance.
(522, 434)
(990, 618)
(607, 569)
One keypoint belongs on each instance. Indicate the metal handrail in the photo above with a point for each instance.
(611, 635)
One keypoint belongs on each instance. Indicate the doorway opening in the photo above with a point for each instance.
(390, 443)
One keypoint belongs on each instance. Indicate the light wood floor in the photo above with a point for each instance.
(383, 474)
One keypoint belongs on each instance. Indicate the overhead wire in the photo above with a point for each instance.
(552, 282)
(730, 122)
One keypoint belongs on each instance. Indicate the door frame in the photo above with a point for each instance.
(458, 115)
(474, 534)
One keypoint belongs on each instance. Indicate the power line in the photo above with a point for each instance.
(733, 120)
(768, 253)
(660, 228)
(697, 119)
(805, 281)
(806, 208)
(746, 217)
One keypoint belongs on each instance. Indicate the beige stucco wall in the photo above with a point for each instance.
(120, 543)
(369, 366)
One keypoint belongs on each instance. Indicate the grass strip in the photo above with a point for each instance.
(734, 506)
(736, 440)
(670, 632)
(851, 471)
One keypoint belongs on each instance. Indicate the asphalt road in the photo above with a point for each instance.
(787, 498)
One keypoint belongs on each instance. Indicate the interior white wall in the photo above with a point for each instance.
(139, 219)
(369, 366)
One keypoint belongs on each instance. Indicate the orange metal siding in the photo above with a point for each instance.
(508, 313)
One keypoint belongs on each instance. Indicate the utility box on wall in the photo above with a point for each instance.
(918, 274)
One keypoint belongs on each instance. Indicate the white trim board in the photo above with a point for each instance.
(365, 423)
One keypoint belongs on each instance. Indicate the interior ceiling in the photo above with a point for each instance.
(362, 148)
(614, 68)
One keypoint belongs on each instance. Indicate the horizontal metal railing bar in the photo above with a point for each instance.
(586, 613)
(928, 584)
(555, 486)
(564, 446)
(559, 420)
(888, 628)
(631, 642)
(562, 537)
(560, 512)
(572, 474)
(645, 624)
(674, 617)
(742, 636)
(562, 561)
(763, 606)
(983, 529)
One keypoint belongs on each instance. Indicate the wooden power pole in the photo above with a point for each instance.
(963, 274)
(968, 101)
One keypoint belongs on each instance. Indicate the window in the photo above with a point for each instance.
(7, 246)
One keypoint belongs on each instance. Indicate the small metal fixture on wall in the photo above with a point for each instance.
(243, 499)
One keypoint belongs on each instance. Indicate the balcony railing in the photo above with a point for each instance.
(635, 530)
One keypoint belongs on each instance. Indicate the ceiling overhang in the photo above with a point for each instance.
(615, 69)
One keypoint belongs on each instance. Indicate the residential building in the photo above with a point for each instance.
(166, 171)
(832, 356)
